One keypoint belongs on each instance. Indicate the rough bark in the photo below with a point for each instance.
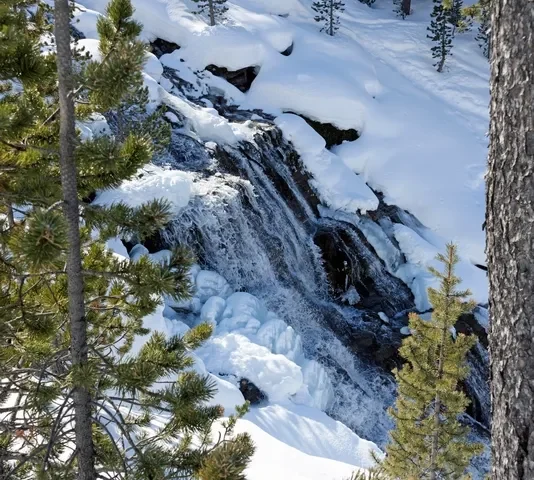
(331, 29)
(406, 7)
(212, 13)
(510, 239)
(78, 326)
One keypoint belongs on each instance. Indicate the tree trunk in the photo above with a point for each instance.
(510, 238)
(406, 7)
(212, 12)
(331, 18)
(78, 326)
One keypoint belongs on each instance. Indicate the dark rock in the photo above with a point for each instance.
(349, 260)
(288, 51)
(241, 79)
(363, 341)
(160, 47)
(468, 325)
(332, 135)
(251, 393)
(89, 197)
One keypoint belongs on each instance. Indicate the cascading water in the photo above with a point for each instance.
(255, 219)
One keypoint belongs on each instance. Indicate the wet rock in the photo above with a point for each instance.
(468, 325)
(251, 393)
(160, 47)
(288, 51)
(241, 79)
(332, 135)
(349, 261)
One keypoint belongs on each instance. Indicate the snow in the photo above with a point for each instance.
(151, 182)
(423, 146)
(235, 354)
(338, 186)
(421, 254)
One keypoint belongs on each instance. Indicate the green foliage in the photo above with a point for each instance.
(127, 386)
(369, 475)
(429, 439)
(441, 33)
(215, 9)
(327, 13)
(481, 12)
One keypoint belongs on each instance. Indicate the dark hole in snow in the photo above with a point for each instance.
(153, 244)
(251, 393)
(160, 47)
(482, 267)
(241, 79)
(332, 135)
(288, 51)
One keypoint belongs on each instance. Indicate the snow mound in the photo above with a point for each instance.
(235, 354)
(151, 182)
(338, 185)
(420, 255)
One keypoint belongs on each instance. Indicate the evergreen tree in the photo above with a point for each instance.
(428, 441)
(327, 12)
(368, 2)
(441, 34)
(483, 35)
(480, 11)
(216, 9)
(82, 408)
(402, 8)
(455, 12)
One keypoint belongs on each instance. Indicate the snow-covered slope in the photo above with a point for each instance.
(422, 145)
(422, 139)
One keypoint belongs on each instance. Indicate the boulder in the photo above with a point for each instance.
(251, 393)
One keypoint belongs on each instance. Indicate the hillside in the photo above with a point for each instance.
(309, 257)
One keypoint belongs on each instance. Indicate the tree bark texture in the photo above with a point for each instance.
(406, 6)
(78, 325)
(510, 238)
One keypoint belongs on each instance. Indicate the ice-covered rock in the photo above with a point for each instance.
(275, 374)
(212, 310)
(209, 284)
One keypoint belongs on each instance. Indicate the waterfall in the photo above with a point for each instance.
(255, 219)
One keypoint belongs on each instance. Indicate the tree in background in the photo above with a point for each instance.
(216, 9)
(441, 33)
(76, 401)
(403, 8)
(428, 441)
(327, 12)
(454, 12)
(481, 11)
(483, 36)
(510, 236)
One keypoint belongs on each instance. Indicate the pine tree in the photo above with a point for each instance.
(368, 2)
(455, 11)
(402, 8)
(428, 441)
(47, 382)
(441, 34)
(510, 236)
(480, 11)
(483, 35)
(216, 9)
(328, 13)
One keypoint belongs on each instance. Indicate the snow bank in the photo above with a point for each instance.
(338, 186)
(420, 255)
(151, 182)
(235, 354)
(276, 459)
